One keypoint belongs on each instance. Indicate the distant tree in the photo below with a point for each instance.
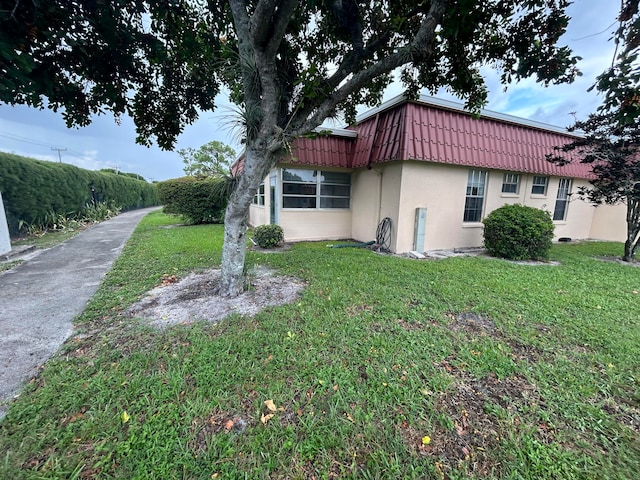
(611, 142)
(288, 64)
(210, 160)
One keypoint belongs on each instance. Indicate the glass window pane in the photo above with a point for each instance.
(298, 175)
(332, 202)
(299, 188)
(298, 202)
(335, 190)
(336, 177)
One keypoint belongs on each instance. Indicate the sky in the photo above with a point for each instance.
(42, 134)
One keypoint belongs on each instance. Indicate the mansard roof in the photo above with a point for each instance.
(440, 131)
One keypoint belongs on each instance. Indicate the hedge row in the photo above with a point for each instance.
(197, 199)
(33, 190)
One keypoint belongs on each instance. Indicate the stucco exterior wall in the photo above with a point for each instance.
(390, 199)
(609, 223)
(258, 215)
(365, 202)
(303, 224)
(441, 190)
(397, 189)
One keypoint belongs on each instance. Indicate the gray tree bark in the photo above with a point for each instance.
(257, 163)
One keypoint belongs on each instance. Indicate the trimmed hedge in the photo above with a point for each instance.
(517, 232)
(34, 190)
(197, 199)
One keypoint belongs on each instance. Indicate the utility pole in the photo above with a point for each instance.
(58, 149)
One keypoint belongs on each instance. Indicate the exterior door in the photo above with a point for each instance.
(273, 198)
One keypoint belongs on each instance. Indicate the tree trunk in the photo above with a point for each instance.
(257, 163)
(633, 229)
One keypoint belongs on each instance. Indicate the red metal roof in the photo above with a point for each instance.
(441, 132)
(322, 151)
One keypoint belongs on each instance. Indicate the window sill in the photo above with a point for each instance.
(559, 222)
(510, 195)
(315, 209)
(538, 195)
(472, 225)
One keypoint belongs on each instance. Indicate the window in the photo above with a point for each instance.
(315, 189)
(539, 186)
(258, 198)
(476, 182)
(562, 200)
(510, 183)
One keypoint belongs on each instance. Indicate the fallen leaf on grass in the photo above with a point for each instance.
(270, 405)
(265, 418)
(125, 417)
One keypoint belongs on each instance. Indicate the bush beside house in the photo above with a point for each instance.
(196, 199)
(518, 232)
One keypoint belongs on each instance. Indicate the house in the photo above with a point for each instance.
(435, 171)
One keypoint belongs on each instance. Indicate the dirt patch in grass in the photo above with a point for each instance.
(476, 325)
(619, 261)
(469, 443)
(194, 298)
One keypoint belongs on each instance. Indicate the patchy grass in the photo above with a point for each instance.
(49, 238)
(385, 368)
(9, 265)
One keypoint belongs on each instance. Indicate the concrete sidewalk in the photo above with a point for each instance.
(40, 298)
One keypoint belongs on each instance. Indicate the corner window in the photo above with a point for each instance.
(476, 182)
(315, 189)
(510, 183)
(539, 186)
(258, 198)
(562, 200)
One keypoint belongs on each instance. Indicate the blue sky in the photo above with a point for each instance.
(105, 144)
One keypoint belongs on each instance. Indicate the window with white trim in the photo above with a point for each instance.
(315, 189)
(510, 183)
(476, 183)
(258, 198)
(539, 185)
(562, 200)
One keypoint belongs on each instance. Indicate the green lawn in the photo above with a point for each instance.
(385, 368)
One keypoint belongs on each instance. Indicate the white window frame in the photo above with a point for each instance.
(537, 183)
(258, 198)
(562, 200)
(316, 189)
(511, 183)
(476, 190)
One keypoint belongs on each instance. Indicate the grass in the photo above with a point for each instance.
(384, 368)
(48, 239)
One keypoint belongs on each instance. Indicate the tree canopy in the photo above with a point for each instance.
(611, 142)
(210, 160)
(287, 64)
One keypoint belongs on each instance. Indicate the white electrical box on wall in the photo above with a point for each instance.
(419, 229)
(5, 240)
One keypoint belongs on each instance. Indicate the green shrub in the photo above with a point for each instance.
(36, 193)
(268, 236)
(197, 199)
(518, 232)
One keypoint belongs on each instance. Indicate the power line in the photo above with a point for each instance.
(19, 138)
(58, 149)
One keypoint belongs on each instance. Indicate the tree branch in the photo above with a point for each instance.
(261, 20)
(283, 17)
(420, 48)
